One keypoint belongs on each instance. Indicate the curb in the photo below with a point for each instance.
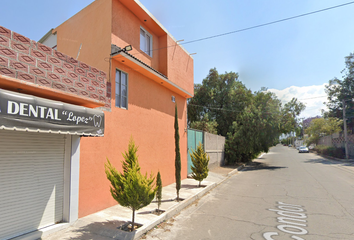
(336, 159)
(184, 204)
(173, 211)
(234, 171)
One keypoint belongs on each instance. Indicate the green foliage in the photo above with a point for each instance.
(256, 129)
(288, 140)
(315, 130)
(251, 122)
(200, 162)
(130, 189)
(178, 156)
(222, 97)
(241, 143)
(290, 112)
(332, 125)
(330, 151)
(158, 190)
(205, 125)
(341, 89)
(130, 157)
(321, 127)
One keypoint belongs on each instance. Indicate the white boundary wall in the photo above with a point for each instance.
(214, 145)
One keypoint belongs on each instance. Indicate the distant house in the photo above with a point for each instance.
(134, 93)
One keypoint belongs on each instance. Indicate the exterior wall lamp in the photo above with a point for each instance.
(115, 49)
(127, 48)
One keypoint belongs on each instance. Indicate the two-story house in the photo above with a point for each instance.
(74, 99)
(149, 72)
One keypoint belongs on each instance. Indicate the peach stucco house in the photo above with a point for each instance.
(144, 85)
(74, 99)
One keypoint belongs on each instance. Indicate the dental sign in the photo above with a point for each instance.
(29, 112)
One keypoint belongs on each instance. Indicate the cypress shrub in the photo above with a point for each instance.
(178, 156)
(200, 162)
(158, 191)
(130, 189)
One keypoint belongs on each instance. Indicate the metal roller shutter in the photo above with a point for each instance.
(31, 181)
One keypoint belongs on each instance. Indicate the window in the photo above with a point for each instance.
(121, 89)
(145, 42)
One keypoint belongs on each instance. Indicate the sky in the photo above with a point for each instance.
(293, 58)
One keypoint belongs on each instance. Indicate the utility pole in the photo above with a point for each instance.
(345, 132)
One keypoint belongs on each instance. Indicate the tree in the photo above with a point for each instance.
(306, 122)
(290, 113)
(242, 140)
(251, 122)
(256, 130)
(338, 90)
(222, 96)
(269, 107)
(332, 125)
(200, 161)
(205, 125)
(158, 191)
(130, 189)
(323, 126)
(315, 130)
(178, 156)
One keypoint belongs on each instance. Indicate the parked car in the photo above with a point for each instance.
(303, 149)
(290, 145)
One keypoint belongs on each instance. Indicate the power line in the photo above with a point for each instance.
(312, 98)
(222, 109)
(269, 23)
(308, 98)
(215, 108)
(231, 110)
(253, 27)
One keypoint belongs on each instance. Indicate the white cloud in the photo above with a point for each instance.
(312, 96)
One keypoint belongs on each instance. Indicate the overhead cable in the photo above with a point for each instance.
(256, 26)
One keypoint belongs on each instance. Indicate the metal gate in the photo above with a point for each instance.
(32, 181)
(194, 138)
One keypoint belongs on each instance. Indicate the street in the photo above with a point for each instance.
(282, 195)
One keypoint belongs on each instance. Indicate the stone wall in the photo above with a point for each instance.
(337, 140)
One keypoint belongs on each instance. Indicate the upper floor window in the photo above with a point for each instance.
(121, 89)
(145, 41)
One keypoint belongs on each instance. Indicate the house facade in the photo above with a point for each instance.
(44, 116)
(74, 99)
(144, 85)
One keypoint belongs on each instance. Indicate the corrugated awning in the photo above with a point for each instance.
(139, 66)
(29, 113)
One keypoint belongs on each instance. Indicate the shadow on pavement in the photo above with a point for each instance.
(145, 212)
(192, 186)
(259, 166)
(166, 200)
(329, 162)
(102, 230)
(223, 170)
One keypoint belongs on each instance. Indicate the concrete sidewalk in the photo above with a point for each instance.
(105, 224)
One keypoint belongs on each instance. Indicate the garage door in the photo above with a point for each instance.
(31, 181)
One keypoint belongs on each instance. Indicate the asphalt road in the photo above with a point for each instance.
(282, 195)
